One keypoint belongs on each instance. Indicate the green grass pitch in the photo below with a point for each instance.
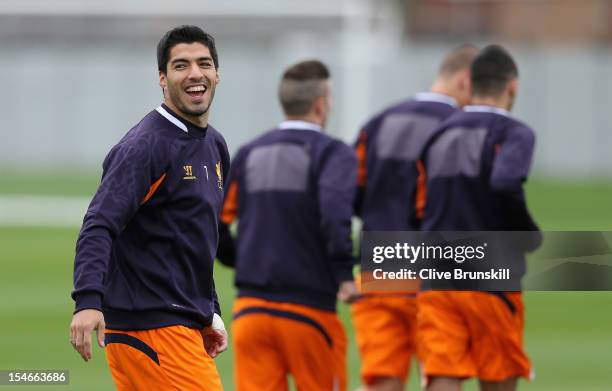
(568, 335)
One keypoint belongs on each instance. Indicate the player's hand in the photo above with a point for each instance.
(215, 341)
(215, 337)
(348, 292)
(83, 323)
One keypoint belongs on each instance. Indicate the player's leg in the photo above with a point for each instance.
(443, 342)
(128, 361)
(496, 324)
(259, 364)
(314, 344)
(504, 385)
(385, 329)
(441, 383)
(384, 384)
(166, 358)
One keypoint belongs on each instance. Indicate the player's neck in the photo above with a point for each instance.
(441, 88)
(495, 101)
(197, 120)
(312, 118)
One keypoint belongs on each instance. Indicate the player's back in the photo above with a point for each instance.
(476, 164)
(294, 191)
(388, 148)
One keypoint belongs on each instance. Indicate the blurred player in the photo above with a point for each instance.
(387, 150)
(292, 190)
(144, 257)
(476, 164)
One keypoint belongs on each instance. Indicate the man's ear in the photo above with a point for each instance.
(318, 106)
(163, 82)
(513, 87)
(464, 80)
(468, 83)
(218, 79)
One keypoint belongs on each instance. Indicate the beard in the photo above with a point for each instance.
(174, 94)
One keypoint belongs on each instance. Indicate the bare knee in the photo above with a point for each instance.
(385, 384)
(440, 383)
(504, 385)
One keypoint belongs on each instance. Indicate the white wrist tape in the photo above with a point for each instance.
(217, 323)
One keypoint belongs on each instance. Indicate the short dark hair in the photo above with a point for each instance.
(459, 59)
(301, 85)
(184, 34)
(492, 70)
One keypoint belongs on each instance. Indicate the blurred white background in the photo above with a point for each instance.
(76, 75)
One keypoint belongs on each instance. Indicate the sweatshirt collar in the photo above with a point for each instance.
(179, 122)
(486, 109)
(299, 125)
(436, 97)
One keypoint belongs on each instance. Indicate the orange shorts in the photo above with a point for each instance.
(168, 358)
(273, 340)
(471, 334)
(385, 328)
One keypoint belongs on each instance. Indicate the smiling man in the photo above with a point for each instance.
(143, 271)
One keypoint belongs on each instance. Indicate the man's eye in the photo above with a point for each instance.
(180, 66)
(205, 65)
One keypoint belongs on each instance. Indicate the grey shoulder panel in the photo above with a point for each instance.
(458, 151)
(277, 167)
(402, 136)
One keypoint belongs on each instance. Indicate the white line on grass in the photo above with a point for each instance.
(42, 211)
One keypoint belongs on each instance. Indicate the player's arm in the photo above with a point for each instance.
(226, 252)
(215, 336)
(417, 211)
(361, 152)
(419, 197)
(510, 170)
(126, 181)
(336, 187)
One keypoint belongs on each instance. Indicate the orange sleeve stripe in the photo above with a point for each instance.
(421, 191)
(153, 188)
(361, 152)
(230, 206)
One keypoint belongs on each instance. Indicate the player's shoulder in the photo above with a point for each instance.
(152, 128)
(415, 108)
(141, 134)
(457, 118)
(267, 137)
(155, 121)
(517, 125)
(477, 118)
(422, 104)
(216, 136)
(520, 132)
(402, 106)
(154, 136)
(337, 147)
(512, 128)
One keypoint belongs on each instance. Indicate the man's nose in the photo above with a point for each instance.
(195, 72)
